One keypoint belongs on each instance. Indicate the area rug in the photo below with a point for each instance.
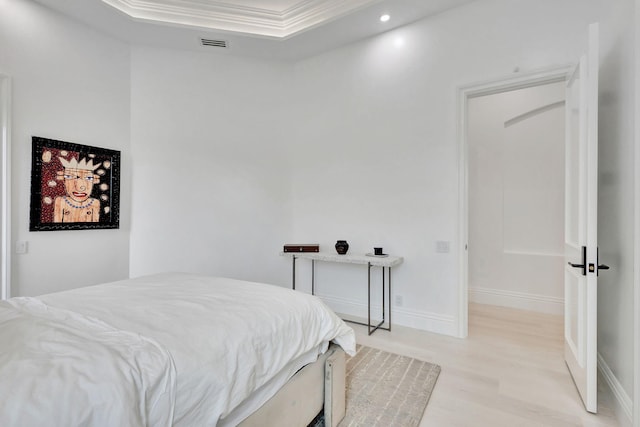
(386, 389)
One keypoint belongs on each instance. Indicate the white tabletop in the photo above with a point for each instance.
(378, 261)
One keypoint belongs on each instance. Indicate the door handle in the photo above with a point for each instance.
(601, 266)
(583, 266)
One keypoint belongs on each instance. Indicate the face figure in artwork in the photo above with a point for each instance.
(77, 205)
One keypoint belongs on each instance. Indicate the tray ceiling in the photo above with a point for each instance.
(273, 29)
(269, 18)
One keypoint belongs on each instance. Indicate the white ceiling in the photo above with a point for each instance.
(280, 29)
(268, 18)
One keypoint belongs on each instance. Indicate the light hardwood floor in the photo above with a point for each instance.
(509, 372)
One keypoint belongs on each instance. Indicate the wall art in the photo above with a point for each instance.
(73, 186)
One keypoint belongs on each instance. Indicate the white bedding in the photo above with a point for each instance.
(226, 338)
(58, 368)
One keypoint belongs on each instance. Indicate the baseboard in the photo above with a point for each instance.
(623, 403)
(402, 316)
(520, 300)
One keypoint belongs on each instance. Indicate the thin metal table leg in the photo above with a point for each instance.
(389, 268)
(369, 298)
(383, 313)
(386, 303)
(313, 277)
(293, 279)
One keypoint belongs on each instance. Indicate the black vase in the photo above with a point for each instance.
(342, 247)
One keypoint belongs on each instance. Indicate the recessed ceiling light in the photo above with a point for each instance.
(384, 18)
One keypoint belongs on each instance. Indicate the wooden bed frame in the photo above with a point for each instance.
(316, 386)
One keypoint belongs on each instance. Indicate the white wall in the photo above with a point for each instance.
(356, 144)
(69, 83)
(211, 183)
(376, 153)
(616, 197)
(516, 198)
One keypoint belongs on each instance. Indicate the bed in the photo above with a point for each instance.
(171, 350)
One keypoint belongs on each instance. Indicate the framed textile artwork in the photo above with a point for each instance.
(73, 186)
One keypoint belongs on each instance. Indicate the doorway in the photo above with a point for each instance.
(516, 198)
(519, 250)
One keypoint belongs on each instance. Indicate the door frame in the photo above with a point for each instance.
(636, 249)
(5, 186)
(464, 93)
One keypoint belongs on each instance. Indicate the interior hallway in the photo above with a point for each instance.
(509, 372)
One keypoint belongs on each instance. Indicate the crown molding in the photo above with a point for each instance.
(225, 16)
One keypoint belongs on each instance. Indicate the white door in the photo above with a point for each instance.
(581, 224)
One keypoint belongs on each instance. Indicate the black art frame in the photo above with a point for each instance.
(56, 167)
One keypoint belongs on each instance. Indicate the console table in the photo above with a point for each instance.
(370, 261)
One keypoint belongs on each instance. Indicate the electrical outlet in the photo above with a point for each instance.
(399, 300)
(442, 246)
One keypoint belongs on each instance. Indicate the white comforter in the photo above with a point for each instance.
(58, 368)
(225, 338)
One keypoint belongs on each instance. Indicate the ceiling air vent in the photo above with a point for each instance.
(213, 43)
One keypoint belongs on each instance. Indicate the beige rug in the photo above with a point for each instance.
(387, 390)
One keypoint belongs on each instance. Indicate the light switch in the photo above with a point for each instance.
(22, 247)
